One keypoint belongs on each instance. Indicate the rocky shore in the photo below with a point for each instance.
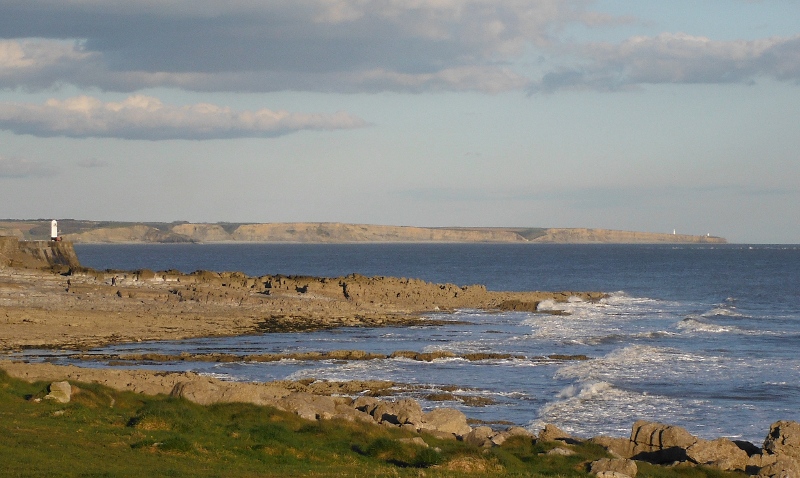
(81, 308)
(651, 442)
(77, 308)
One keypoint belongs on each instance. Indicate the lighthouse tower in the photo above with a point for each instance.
(53, 230)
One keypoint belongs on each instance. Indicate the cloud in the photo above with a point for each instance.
(350, 46)
(24, 168)
(145, 117)
(677, 58)
(320, 45)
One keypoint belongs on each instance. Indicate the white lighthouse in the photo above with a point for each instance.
(53, 230)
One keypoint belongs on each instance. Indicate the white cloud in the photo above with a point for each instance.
(678, 58)
(319, 45)
(355, 46)
(24, 168)
(145, 117)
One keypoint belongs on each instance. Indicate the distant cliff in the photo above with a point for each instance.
(120, 232)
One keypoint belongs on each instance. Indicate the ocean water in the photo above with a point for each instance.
(705, 337)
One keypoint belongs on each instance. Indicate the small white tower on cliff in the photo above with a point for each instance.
(53, 230)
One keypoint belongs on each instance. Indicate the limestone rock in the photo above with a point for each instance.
(60, 392)
(561, 451)
(480, 437)
(612, 474)
(756, 462)
(501, 437)
(206, 391)
(401, 412)
(446, 420)
(415, 441)
(660, 436)
(613, 467)
(659, 443)
(784, 467)
(552, 433)
(783, 439)
(618, 447)
(366, 404)
(720, 453)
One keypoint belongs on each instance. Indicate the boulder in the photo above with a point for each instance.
(552, 433)
(614, 467)
(612, 474)
(560, 451)
(208, 391)
(401, 412)
(446, 420)
(783, 439)
(414, 441)
(720, 453)
(366, 404)
(759, 461)
(617, 447)
(61, 392)
(480, 437)
(660, 436)
(784, 467)
(659, 443)
(501, 437)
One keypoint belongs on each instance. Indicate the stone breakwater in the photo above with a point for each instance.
(652, 442)
(82, 308)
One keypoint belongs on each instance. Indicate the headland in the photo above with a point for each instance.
(110, 232)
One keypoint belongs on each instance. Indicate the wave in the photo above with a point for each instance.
(599, 408)
(694, 324)
(723, 312)
(585, 391)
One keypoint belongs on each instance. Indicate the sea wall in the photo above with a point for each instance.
(36, 254)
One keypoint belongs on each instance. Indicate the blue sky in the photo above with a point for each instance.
(645, 115)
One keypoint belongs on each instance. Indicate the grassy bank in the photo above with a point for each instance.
(106, 433)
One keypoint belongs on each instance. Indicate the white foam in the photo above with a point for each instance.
(695, 325)
(636, 361)
(723, 311)
(595, 408)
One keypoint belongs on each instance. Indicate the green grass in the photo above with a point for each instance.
(106, 433)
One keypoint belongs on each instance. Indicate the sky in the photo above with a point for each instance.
(647, 116)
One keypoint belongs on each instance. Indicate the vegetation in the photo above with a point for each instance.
(106, 433)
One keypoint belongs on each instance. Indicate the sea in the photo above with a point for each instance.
(706, 337)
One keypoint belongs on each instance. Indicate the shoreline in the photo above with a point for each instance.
(84, 308)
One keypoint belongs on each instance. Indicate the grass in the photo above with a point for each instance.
(106, 433)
